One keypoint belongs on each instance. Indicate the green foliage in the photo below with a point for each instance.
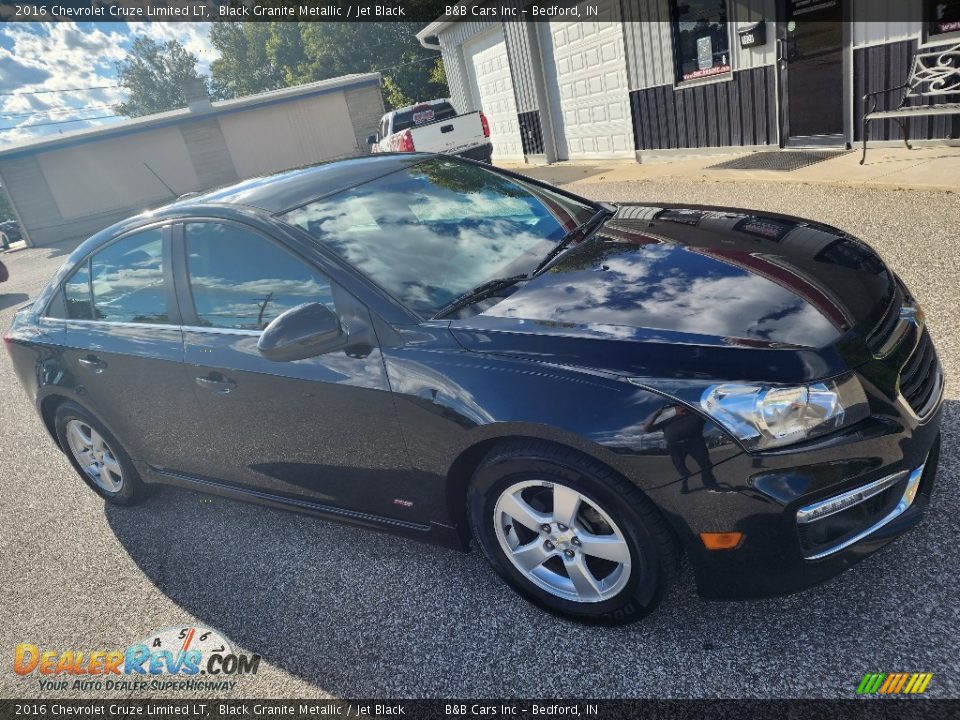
(266, 55)
(154, 75)
(244, 66)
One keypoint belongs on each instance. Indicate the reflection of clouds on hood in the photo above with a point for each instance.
(654, 289)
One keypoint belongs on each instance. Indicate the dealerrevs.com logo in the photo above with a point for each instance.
(187, 658)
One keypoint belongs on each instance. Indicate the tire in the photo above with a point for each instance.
(116, 480)
(642, 553)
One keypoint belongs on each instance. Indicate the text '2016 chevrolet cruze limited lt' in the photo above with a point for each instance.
(424, 345)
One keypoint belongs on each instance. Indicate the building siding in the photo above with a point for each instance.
(520, 51)
(741, 111)
(878, 67)
(648, 39)
(30, 194)
(208, 153)
(869, 31)
(451, 44)
(365, 106)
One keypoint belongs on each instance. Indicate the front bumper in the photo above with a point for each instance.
(768, 496)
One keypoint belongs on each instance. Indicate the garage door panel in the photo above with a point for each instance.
(587, 81)
(491, 87)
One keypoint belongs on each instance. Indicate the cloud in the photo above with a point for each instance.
(15, 74)
(37, 57)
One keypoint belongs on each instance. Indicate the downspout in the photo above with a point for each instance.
(429, 45)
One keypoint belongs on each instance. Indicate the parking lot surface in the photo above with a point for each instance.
(344, 612)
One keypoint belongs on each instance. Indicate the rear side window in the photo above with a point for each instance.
(240, 280)
(76, 293)
(423, 115)
(122, 283)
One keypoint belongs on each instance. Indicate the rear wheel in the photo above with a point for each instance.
(571, 535)
(97, 456)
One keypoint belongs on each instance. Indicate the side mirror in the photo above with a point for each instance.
(304, 331)
(372, 139)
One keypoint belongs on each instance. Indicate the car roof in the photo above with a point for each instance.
(292, 188)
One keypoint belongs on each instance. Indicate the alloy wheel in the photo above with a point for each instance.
(94, 456)
(562, 541)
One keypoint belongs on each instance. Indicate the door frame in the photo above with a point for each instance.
(845, 137)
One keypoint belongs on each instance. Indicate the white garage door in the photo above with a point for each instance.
(491, 87)
(587, 83)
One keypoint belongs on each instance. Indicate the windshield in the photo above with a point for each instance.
(434, 231)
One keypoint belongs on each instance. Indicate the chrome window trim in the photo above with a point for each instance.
(184, 328)
(117, 323)
(221, 331)
(906, 501)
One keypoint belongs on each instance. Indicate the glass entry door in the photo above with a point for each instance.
(810, 55)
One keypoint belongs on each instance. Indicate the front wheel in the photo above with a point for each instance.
(570, 535)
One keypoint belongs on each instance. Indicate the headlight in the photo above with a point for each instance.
(766, 417)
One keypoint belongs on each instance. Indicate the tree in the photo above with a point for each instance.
(262, 56)
(154, 76)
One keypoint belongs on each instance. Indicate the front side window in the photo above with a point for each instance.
(240, 280)
(700, 38)
(943, 17)
(431, 232)
(122, 283)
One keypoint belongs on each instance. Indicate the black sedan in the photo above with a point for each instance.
(432, 347)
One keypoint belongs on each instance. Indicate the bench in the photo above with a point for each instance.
(935, 75)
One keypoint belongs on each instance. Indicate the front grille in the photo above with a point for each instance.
(920, 377)
(879, 336)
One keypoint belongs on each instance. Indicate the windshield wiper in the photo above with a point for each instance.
(578, 233)
(479, 293)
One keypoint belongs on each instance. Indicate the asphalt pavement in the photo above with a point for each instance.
(336, 611)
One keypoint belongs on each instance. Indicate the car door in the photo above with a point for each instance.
(323, 429)
(125, 349)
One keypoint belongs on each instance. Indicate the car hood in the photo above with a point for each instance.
(708, 279)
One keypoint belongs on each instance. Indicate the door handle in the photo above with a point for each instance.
(780, 46)
(217, 384)
(446, 128)
(94, 363)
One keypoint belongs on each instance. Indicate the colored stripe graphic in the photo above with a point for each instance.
(894, 683)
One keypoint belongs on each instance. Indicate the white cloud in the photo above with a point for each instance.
(52, 56)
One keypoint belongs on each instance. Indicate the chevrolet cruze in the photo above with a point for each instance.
(427, 346)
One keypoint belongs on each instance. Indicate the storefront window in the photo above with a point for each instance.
(943, 17)
(700, 38)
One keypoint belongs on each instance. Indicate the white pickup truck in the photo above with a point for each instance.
(434, 126)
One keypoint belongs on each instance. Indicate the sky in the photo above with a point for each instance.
(56, 55)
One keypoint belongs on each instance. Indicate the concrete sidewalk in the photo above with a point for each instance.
(923, 168)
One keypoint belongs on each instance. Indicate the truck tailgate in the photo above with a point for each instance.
(450, 136)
